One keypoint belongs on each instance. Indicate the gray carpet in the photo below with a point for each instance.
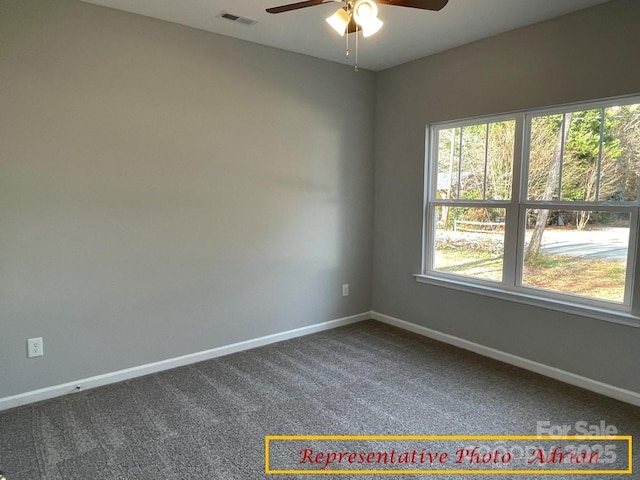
(208, 420)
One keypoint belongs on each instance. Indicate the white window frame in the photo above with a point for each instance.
(627, 312)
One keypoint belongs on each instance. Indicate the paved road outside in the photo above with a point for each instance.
(603, 243)
(607, 243)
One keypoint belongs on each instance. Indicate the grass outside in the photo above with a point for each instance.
(594, 278)
(476, 264)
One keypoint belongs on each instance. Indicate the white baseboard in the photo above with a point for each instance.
(552, 372)
(141, 370)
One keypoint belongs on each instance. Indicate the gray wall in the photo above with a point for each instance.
(165, 190)
(590, 54)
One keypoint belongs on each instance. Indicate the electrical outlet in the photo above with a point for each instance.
(35, 347)
(345, 290)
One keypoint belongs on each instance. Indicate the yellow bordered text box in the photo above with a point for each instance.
(270, 438)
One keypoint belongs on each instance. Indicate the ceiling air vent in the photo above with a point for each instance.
(236, 18)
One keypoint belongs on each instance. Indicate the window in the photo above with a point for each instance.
(540, 205)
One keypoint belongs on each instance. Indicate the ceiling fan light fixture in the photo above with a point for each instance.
(339, 21)
(365, 13)
(358, 15)
(371, 27)
(363, 9)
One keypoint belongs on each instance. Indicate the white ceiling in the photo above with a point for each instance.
(407, 34)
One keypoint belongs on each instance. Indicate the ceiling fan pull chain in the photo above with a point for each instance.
(356, 65)
(347, 51)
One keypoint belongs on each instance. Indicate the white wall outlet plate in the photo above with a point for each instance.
(35, 347)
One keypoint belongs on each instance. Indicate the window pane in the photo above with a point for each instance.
(544, 154)
(620, 154)
(581, 156)
(476, 162)
(596, 156)
(472, 162)
(577, 252)
(500, 160)
(448, 154)
(470, 241)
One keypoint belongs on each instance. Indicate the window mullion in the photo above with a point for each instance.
(600, 152)
(562, 146)
(459, 164)
(486, 159)
(510, 272)
(632, 272)
(633, 294)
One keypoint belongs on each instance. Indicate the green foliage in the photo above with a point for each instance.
(582, 155)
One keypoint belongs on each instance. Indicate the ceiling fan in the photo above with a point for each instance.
(358, 15)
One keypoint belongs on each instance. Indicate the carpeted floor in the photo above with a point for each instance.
(209, 420)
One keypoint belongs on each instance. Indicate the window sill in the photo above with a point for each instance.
(623, 318)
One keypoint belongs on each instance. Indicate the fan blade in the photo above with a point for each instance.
(422, 4)
(295, 6)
